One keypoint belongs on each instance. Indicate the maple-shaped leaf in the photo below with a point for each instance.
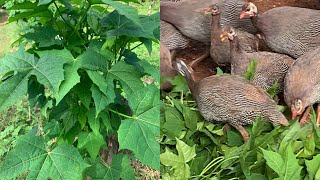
(119, 25)
(179, 162)
(32, 155)
(45, 36)
(91, 142)
(47, 69)
(120, 165)
(138, 133)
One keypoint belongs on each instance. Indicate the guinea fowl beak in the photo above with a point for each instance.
(294, 114)
(243, 14)
(223, 36)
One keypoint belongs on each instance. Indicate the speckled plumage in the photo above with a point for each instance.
(195, 25)
(220, 50)
(270, 67)
(171, 37)
(303, 79)
(234, 100)
(231, 99)
(289, 30)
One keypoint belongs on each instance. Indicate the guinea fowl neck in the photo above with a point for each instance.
(234, 45)
(254, 20)
(215, 26)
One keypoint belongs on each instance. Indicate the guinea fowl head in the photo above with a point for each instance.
(248, 9)
(297, 108)
(228, 33)
(184, 70)
(212, 9)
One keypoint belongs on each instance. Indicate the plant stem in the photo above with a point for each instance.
(123, 115)
(136, 46)
(79, 23)
(64, 20)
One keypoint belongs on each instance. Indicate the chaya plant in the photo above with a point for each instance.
(100, 101)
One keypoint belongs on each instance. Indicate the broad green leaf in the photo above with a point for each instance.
(127, 75)
(126, 10)
(70, 72)
(191, 118)
(91, 142)
(138, 133)
(42, 2)
(273, 90)
(94, 122)
(62, 162)
(295, 132)
(174, 124)
(274, 160)
(93, 20)
(101, 101)
(93, 60)
(45, 36)
(119, 25)
(313, 167)
(251, 69)
(179, 162)
(291, 169)
(113, 172)
(49, 74)
(39, 13)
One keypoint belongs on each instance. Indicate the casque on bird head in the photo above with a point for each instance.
(248, 9)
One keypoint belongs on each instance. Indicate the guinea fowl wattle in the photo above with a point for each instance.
(270, 67)
(231, 99)
(287, 30)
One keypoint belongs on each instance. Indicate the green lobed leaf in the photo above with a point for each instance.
(313, 167)
(179, 162)
(25, 64)
(219, 71)
(91, 142)
(45, 36)
(101, 101)
(42, 2)
(251, 69)
(62, 162)
(138, 133)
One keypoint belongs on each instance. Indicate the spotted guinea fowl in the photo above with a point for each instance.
(219, 50)
(195, 25)
(270, 67)
(288, 30)
(231, 99)
(302, 85)
(166, 69)
(171, 37)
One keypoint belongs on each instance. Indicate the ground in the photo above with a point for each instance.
(197, 49)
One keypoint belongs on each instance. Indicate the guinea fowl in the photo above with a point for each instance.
(231, 99)
(288, 30)
(270, 67)
(195, 25)
(171, 37)
(166, 69)
(302, 85)
(219, 50)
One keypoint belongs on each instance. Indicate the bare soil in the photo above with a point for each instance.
(195, 50)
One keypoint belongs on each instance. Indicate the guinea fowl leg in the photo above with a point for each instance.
(244, 133)
(318, 114)
(305, 118)
(199, 59)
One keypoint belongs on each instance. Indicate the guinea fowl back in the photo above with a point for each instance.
(303, 79)
(195, 25)
(290, 30)
(171, 37)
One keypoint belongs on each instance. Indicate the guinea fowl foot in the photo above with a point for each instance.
(226, 128)
(305, 118)
(244, 133)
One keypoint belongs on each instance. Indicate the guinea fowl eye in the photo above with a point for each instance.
(247, 10)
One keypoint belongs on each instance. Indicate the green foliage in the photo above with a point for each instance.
(73, 63)
(251, 69)
(270, 153)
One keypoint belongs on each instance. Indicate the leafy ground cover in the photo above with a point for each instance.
(192, 148)
(85, 96)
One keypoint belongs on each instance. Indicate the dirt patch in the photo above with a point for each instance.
(3, 17)
(264, 5)
(195, 50)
